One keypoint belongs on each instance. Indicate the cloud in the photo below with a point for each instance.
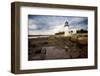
(44, 25)
(32, 24)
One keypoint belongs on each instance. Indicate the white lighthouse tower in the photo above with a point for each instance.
(66, 29)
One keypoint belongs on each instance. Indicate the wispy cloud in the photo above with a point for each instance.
(44, 25)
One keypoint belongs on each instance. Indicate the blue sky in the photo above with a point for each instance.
(48, 25)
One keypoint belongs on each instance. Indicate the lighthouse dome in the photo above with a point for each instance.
(66, 24)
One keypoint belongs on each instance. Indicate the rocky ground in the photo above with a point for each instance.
(56, 48)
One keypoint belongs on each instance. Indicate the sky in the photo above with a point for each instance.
(49, 24)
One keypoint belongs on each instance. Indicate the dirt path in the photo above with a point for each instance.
(56, 53)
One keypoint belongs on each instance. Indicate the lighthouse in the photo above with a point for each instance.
(66, 29)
